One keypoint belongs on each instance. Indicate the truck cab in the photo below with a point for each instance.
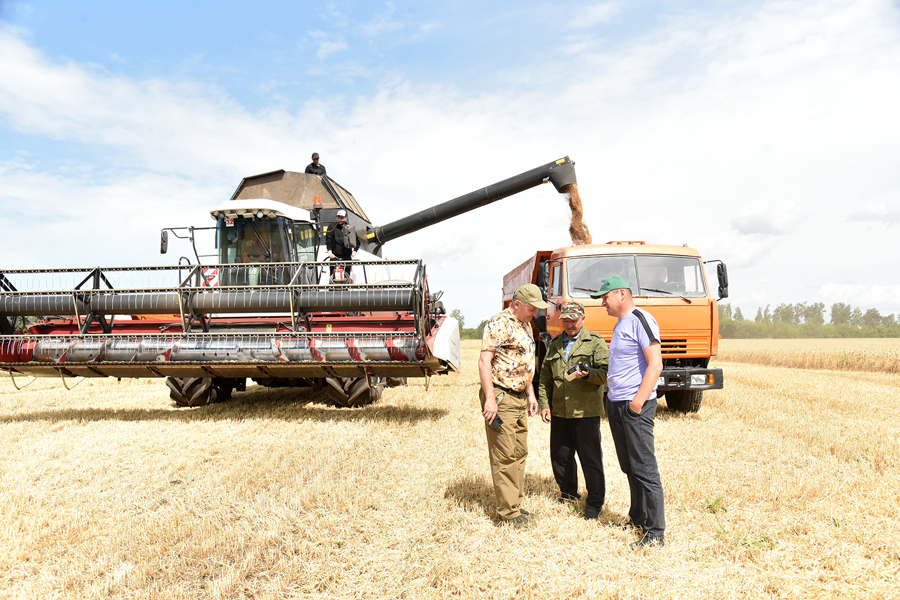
(669, 282)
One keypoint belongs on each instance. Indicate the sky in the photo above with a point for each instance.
(764, 134)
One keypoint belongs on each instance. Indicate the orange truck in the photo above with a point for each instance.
(669, 282)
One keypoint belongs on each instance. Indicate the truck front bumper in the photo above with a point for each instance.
(689, 379)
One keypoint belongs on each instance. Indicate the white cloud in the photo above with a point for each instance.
(886, 298)
(381, 24)
(328, 44)
(429, 27)
(53, 220)
(877, 213)
(589, 16)
(758, 224)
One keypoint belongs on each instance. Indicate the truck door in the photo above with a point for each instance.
(555, 297)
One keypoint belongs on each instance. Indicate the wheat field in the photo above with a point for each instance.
(879, 355)
(786, 484)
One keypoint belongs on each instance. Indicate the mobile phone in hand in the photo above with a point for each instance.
(496, 423)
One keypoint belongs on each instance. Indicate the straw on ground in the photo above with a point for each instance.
(783, 485)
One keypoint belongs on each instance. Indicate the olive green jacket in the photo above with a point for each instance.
(578, 398)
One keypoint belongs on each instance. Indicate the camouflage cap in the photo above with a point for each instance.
(572, 310)
(530, 294)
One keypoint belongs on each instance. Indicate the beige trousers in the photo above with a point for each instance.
(508, 449)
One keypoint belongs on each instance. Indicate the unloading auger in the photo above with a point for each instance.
(268, 309)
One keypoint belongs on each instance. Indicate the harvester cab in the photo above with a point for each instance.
(277, 217)
(267, 307)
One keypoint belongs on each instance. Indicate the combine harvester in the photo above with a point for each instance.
(269, 308)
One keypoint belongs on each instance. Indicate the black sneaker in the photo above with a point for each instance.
(591, 513)
(567, 499)
(629, 524)
(648, 541)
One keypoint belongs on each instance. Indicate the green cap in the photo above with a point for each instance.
(531, 294)
(572, 310)
(609, 284)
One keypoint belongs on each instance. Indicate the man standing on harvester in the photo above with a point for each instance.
(341, 240)
(571, 399)
(506, 369)
(314, 168)
(635, 362)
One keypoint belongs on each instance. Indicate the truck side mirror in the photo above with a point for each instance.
(163, 242)
(723, 280)
(543, 278)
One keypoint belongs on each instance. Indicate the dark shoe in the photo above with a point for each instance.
(529, 515)
(626, 525)
(648, 541)
(591, 513)
(520, 522)
(567, 499)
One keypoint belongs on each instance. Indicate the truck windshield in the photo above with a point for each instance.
(252, 240)
(647, 274)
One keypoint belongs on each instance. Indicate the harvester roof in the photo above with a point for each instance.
(298, 189)
(260, 208)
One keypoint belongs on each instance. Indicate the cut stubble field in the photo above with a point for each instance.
(785, 484)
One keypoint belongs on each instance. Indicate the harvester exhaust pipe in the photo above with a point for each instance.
(560, 173)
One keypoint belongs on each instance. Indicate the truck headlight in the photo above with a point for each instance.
(661, 381)
(698, 379)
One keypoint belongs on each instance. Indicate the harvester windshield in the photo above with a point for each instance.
(647, 275)
(269, 240)
(252, 240)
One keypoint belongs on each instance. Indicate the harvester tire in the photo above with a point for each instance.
(684, 400)
(394, 381)
(354, 391)
(336, 391)
(191, 392)
(224, 388)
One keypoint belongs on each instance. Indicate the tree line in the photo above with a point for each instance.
(807, 320)
(468, 334)
(802, 320)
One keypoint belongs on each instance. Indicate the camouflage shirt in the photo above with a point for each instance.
(512, 343)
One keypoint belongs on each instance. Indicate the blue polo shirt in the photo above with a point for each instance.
(627, 364)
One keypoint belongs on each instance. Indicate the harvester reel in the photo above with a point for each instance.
(196, 391)
(354, 391)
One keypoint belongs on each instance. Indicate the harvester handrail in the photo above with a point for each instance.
(215, 289)
(205, 266)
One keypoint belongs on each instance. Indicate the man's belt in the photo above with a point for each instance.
(509, 391)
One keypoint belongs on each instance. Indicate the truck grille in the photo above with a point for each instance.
(671, 347)
(685, 345)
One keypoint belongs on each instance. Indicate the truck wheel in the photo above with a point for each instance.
(684, 400)
(192, 391)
